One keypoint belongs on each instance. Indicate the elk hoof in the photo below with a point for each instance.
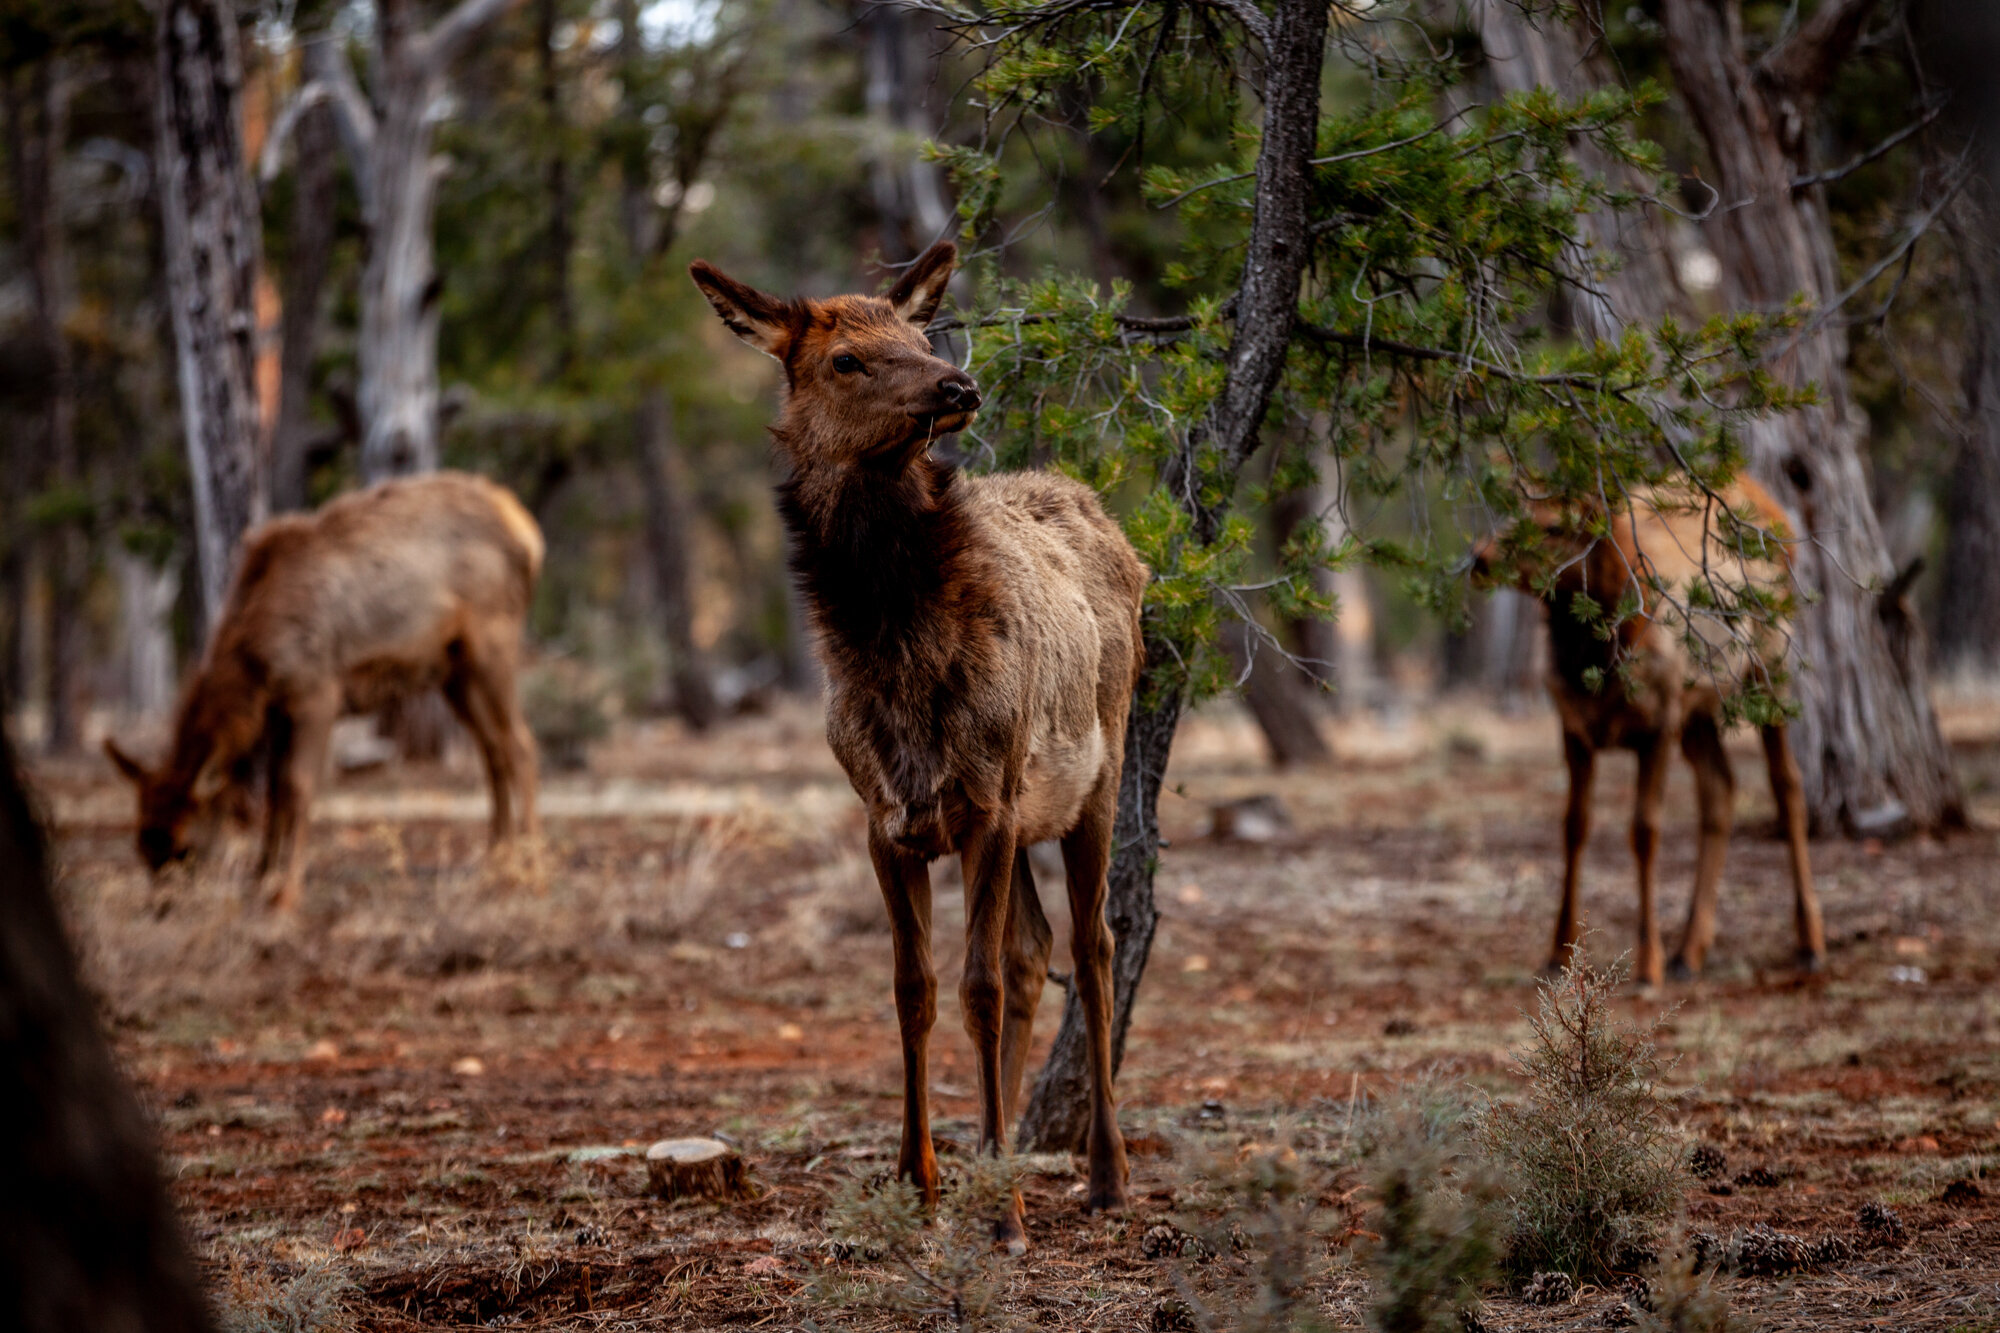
(1010, 1236)
(1679, 970)
(1810, 961)
(1106, 1199)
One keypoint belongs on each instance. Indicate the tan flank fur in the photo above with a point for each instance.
(1666, 698)
(981, 640)
(417, 583)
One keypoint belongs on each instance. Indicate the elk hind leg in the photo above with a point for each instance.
(1086, 853)
(294, 775)
(989, 862)
(1029, 943)
(1649, 968)
(1715, 794)
(1788, 790)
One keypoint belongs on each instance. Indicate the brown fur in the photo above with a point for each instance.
(981, 639)
(412, 584)
(1660, 699)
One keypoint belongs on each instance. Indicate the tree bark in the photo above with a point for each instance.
(1279, 695)
(88, 1237)
(1267, 299)
(909, 197)
(38, 128)
(1969, 603)
(561, 236)
(308, 255)
(146, 597)
(1867, 741)
(213, 246)
(668, 525)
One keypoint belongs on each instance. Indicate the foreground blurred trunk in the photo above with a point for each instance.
(37, 128)
(1867, 739)
(1969, 604)
(88, 1239)
(214, 246)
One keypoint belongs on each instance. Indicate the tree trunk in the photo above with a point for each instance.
(88, 1237)
(1279, 695)
(909, 197)
(668, 527)
(146, 597)
(1867, 740)
(213, 247)
(1267, 299)
(1969, 604)
(1058, 1114)
(560, 239)
(308, 255)
(38, 127)
(400, 288)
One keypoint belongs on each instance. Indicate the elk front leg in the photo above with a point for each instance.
(906, 891)
(988, 865)
(1715, 793)
(293, 779)
(1582, 761)
(1788, 790)
(1652, 751)
(1086, 857)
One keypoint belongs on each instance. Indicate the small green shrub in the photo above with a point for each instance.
(312, 1300)
(1436, 1224)
(568, 706)
(1592, 1164)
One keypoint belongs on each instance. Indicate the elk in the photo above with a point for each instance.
(1640, 689)
(412, 584)
(981, 641)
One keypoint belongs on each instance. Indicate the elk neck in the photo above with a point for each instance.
(878, 549)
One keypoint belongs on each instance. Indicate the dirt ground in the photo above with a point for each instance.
(422, 1104)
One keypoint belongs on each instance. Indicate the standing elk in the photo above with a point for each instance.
(981, 641)
(1640, 689)
(412, 584)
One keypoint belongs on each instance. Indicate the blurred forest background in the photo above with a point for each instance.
(530, 177)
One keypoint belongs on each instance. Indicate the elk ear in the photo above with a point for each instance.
(133, 770)
(917, 295)
(758, 318)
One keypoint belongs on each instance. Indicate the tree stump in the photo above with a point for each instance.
(696, 1169)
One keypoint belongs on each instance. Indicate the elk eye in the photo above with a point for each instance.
(846, 364)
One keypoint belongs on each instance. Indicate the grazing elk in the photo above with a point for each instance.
(1639, 690)
(981, 641)
(408, 585)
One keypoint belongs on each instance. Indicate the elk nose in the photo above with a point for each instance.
(959, 390)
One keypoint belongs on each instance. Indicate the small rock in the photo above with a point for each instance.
(1921, 1143)
(766, 1266)
(1707, 1162)
(1253, 819)
(1549, 1289)
(1879, 1223)
(470, 1066)
(353, 1238)
(1962, 1192)
(323, 1050)
(1760, 1177)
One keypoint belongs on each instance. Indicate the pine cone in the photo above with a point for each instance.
(1172, 1316)
(1706, 1249)
(1830, 1249)
(1161, 1241)
(1469, 1321)
(1638, 1292)
(1762, 1252)
(1549, 1289)
(1879, 1224)
(1762, 1177)
(1707, 1162)
(1619, 1314)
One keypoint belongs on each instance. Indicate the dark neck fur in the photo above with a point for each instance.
(874, 549)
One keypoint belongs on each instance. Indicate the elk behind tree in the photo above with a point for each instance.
(1639, 688)
(413, 584)
(981, 641)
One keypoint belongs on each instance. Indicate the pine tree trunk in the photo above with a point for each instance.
(1969, 604)
(146, 597)
(213, 247)
(1279, 696)
(308, 255)
(668, 526)
(1867, 740)
(1267, 299)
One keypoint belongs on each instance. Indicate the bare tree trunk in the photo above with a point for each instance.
(909, 196)
(1279, 696)
(146, 597)
(38, 127)
(1267, 298)
(214, 247)
(560, 239)
(308, 255)
(1969, 607)
(88, 1237)
(668, 524)
(1867, 740)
